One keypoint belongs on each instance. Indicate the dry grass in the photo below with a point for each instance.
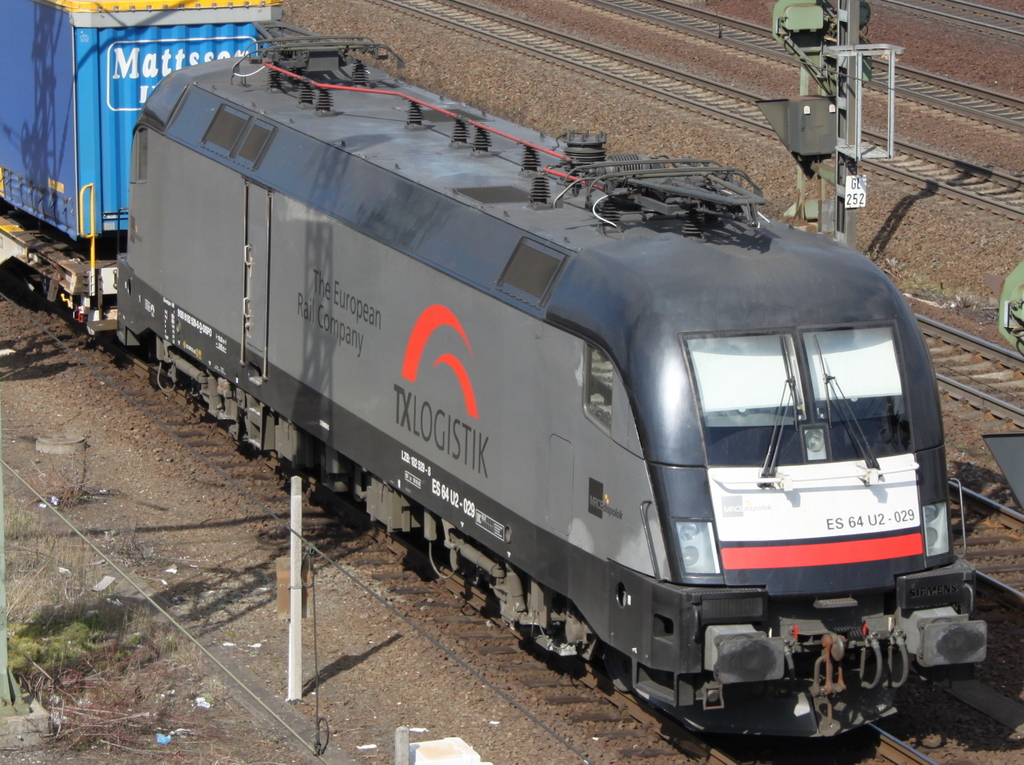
(111, 677)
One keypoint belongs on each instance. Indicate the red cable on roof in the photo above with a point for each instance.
(432, 107)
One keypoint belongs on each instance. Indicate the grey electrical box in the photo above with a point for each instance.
(806, 124)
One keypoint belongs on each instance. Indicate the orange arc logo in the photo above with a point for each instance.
(433, 318)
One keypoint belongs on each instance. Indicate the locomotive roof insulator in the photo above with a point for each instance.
(530, 163)
(694, 224)
(460, 133)
(324, 102)
(360, 75)
(584, 147)
(540, 192)
(607, 211)
(414, 117)
(481, 141)
(306, 93)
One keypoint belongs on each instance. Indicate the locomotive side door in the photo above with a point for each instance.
(258, 205)
(560, 484)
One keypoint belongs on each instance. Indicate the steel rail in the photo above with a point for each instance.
(895, 751)
(1011, 592)
(597, 64)
(981, 400)
(991, 504)
(1014, 33)
(1014, 593)
(705, 97)
(942, 93)
(983, 348)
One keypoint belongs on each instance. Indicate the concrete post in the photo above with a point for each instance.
(295, 588)
(401, 745)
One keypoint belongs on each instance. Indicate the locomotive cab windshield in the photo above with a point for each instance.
(800, 397)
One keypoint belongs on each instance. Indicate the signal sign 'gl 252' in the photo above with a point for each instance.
(856, 191)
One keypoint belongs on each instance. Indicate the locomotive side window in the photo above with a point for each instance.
(140, 156)
(600, 382)
(235, 135)
(225, 128)
(530, 271)
(255, 141)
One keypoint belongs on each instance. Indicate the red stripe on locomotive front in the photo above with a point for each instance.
(822, 554)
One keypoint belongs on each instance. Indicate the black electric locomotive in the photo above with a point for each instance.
(696, 443)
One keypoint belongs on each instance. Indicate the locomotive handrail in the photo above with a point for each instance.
(91, 235)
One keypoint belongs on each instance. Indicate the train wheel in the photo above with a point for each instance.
(619, 668)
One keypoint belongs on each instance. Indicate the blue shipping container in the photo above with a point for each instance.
(78, 76)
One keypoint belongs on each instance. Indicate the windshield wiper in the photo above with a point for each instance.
(851, 423)
(771, 458)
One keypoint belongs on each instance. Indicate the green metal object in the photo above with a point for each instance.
(803, 28)
(1011, 309)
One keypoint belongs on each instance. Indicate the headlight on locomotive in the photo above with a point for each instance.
(697, 547)
(936, 529)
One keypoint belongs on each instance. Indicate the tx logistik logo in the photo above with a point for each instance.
(448, 433)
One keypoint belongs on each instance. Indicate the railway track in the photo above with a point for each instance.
(942, 93)
(995, 546)
(977, 375)
(984, 188)
(981, 374)
(983, 19)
